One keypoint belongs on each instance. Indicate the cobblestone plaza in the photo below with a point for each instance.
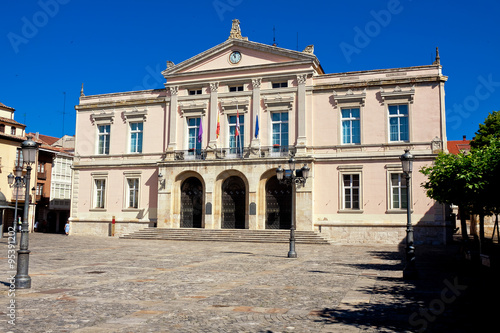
(90, 284)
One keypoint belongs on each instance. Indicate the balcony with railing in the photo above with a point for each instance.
(233, 153)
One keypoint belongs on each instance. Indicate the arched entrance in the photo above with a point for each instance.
(278, 204)
(233, 203)
(191, 203)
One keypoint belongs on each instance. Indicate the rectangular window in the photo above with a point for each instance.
(195, 92)
(103, 140)
(399, 199)
(350, 191)
(236, 137)
(39, 189)
(136, 137)
(13, 130)
(280, 84)
(2, 128)
(99, 193)
(132, 192)
(279, 123)
(351, 126)
(194, 145)
(398, 123)
(235, 88)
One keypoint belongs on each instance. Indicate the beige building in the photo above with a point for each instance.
(203, 151)
(12, 134)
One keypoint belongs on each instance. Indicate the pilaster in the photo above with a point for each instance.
(255, 110)
(301, 114)
(173, 118)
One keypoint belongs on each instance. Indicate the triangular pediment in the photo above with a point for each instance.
(252, 55)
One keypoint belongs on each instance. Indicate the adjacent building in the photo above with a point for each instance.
(203, 151)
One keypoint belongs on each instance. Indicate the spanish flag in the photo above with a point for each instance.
(217, 132)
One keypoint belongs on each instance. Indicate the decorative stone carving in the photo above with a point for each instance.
(193, 108)
(170, 64)
(350, 97)
(102, 118)
(301, 78)
(174, 90)
(256, 82)
(436, 145)
(398, 93)
(236, 31)
(214, 86)
(138, 115)
(309, 49)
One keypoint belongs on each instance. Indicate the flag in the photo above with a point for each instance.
(256, 126)
(200, 131)
(237, 130)
(217, 132)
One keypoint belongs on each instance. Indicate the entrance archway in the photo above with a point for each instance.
(233, 203)
(278, 204)
(191, 203)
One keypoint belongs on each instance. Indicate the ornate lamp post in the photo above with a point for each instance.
(23, 280)
(17, 182)
(409, 271)
(296, 177)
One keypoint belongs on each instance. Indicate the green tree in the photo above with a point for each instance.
(488, 131)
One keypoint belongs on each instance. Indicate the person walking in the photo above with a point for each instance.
(66, 228)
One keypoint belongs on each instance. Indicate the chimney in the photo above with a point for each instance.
(464, 138)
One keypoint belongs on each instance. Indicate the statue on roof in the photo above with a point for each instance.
(236, 31)
(309, 49)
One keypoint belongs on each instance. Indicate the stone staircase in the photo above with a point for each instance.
(228, 235)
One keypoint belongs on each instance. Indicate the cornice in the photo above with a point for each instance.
(231, 43)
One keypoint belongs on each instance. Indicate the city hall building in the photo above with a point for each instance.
(203, 151)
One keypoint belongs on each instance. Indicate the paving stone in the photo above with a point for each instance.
(86, 284)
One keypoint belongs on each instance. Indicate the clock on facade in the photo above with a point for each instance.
(235, 57)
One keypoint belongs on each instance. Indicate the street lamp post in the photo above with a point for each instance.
(22, 279)
(295, 177)
(409, 272)
(17, 182)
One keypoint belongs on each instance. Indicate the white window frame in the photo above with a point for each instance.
(398, 117)
(95, 190)
(128, 192)
(242, 133)
(281, 152)
(131, 149)
(279, 84)
(350, 170)
(195, 91)
(236, 88)
(104, 134)
(350, 120)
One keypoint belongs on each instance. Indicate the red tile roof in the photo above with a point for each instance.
(457, 146)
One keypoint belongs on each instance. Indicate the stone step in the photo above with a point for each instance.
(227, 235)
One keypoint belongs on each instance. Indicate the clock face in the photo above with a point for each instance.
(235, 57)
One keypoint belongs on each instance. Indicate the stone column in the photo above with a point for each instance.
(255, 110)
(301, 114)
(172, 138)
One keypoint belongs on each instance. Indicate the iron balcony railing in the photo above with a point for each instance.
(190, 154)
(234, 153)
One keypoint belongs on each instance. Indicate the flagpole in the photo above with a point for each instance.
(239, 129)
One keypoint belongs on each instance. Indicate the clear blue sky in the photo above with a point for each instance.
(49, 47)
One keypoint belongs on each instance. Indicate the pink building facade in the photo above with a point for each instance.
(172, 157)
